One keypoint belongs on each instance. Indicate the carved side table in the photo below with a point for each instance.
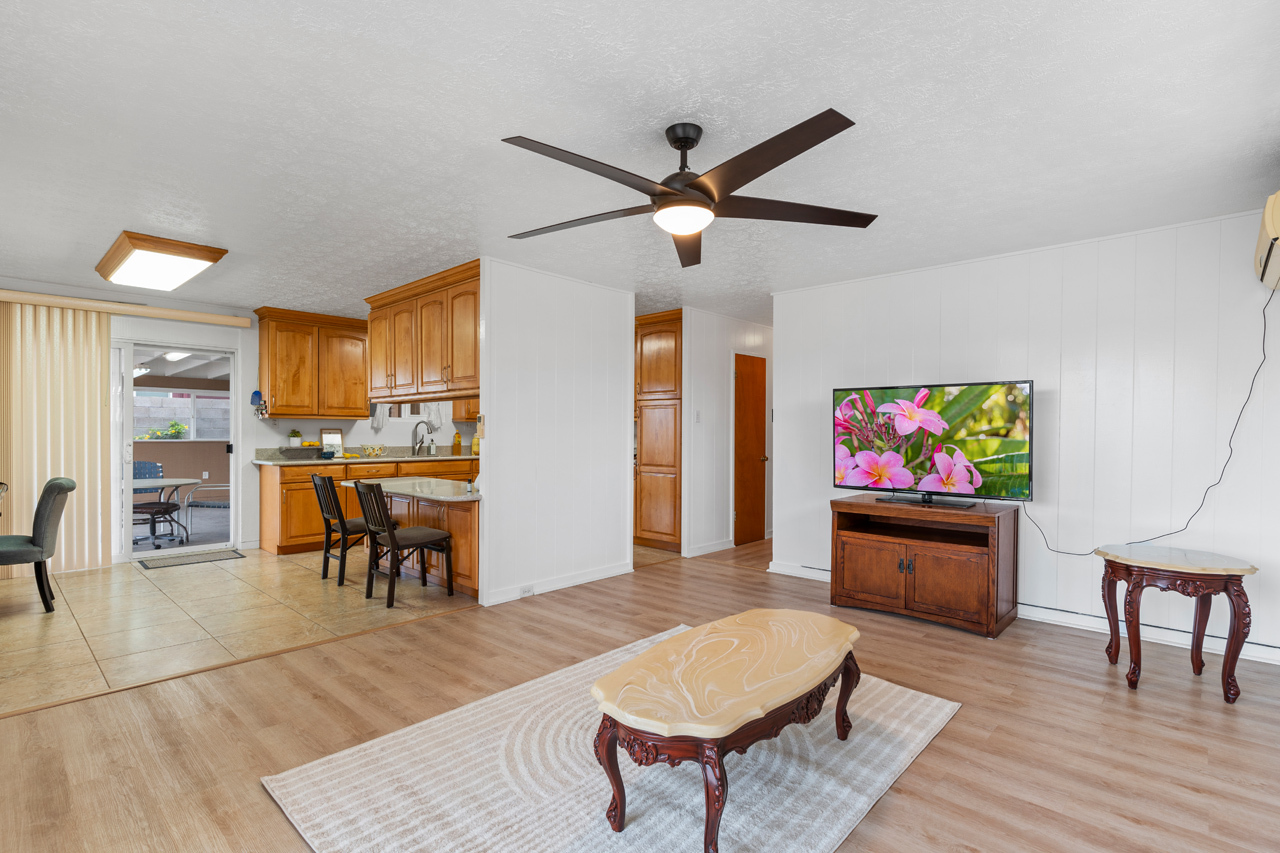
(717, 689)
(1198, 574)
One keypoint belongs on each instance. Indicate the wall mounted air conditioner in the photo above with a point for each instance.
(1266, 258)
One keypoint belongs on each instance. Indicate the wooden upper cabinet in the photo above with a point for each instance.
(379, 353)
(432, 337)
(291, 368)
(344, 356)
(658, 356)
(404, 356)
(433, 342)
(312, 365)
(464, 336)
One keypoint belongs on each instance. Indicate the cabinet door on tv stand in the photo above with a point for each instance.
(948, 583)
(871, 569)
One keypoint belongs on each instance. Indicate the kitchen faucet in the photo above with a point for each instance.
(417, 442)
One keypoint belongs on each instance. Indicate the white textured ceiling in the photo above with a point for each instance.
(339, 148)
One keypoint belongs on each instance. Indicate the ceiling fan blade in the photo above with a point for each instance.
(746, 207)
(737, 172)
(595, 167)
(586, 220)
(689, 248)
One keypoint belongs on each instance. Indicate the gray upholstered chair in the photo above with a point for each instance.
(38, 547)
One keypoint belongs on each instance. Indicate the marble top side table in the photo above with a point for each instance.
(1198, 574)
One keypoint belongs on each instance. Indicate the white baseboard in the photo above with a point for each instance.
(1152, 633)
(709, 548)
(249, 545)
(511, 593)
(768, 534)
(798, 571)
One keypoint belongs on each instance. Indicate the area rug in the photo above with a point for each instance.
(516, 772)
(189, 559)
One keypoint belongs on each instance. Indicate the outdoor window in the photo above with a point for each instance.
(169, 415)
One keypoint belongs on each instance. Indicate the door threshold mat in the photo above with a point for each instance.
(188, 559)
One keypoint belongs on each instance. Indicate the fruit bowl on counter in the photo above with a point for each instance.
(373, 451)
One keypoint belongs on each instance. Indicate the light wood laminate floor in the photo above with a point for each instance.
(123, 624)
(1050, 751)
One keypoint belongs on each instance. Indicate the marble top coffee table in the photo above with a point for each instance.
(718, 689)
(1198, 574)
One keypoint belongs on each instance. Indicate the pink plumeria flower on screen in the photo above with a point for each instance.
(883, 471)
(951, 476)
(844, 464)
(845, 422)
(958, 458)
(908, 416)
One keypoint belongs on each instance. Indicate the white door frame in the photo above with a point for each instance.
(124, 450)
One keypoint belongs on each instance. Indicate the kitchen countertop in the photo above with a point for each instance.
(363, 460)
(422, 487)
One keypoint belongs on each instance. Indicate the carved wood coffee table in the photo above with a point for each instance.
(1198, 574)
(718, 689)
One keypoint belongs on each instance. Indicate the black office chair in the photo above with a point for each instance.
(38, 547)
(384, 535)
(348, 530)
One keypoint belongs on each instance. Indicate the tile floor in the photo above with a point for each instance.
(123, 625)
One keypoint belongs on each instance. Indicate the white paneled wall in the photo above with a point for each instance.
(1141, 348)
(709, 344)
(556, 392)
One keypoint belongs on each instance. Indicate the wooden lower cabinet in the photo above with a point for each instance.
(957, 566)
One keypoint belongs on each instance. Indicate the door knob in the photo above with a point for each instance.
(764, 458)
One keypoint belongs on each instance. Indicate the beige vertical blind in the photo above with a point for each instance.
(55, 422)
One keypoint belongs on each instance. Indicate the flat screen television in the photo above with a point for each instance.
(948, 440)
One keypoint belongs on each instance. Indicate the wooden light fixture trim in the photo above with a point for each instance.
(130, 241)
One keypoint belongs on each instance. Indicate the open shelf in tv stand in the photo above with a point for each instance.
(953, 565)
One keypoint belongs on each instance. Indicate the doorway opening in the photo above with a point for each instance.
(750, 448)
(175, 418)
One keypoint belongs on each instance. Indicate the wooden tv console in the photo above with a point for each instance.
(946, 564)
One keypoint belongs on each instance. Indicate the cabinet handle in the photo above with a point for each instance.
(911, 566)
(637, 387)
(900, 569)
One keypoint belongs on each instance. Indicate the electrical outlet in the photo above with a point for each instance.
(204, 476)
(697, 416)
(526, 591)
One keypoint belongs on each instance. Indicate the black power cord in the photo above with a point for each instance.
(1231, 449)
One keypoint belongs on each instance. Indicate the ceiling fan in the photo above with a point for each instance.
(685, 202)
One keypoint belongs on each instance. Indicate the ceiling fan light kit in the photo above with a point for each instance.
(684, 202)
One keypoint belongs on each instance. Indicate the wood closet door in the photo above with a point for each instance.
(658, 470)
(464, 336)
(292, 350)
(433, 342)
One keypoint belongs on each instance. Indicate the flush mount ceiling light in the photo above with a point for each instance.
(139, 260)
(176, 356)
(140, 370)
(683, 217)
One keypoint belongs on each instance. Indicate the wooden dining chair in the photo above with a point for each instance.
(384, 537)
(348, 530)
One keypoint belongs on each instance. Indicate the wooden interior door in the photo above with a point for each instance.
(292, 350)
(433, 342)
(658, 360)
(749, 457)
(464, 336)
(948, 582)
(379, 353)
(404, 346)
(871, 569)
(344, 372)
(657, 514)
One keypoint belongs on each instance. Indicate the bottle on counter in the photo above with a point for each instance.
(457, 444)
(475, 445)
(431, 448)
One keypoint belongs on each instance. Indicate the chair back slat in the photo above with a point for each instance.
(327, 497)
(373, 506)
